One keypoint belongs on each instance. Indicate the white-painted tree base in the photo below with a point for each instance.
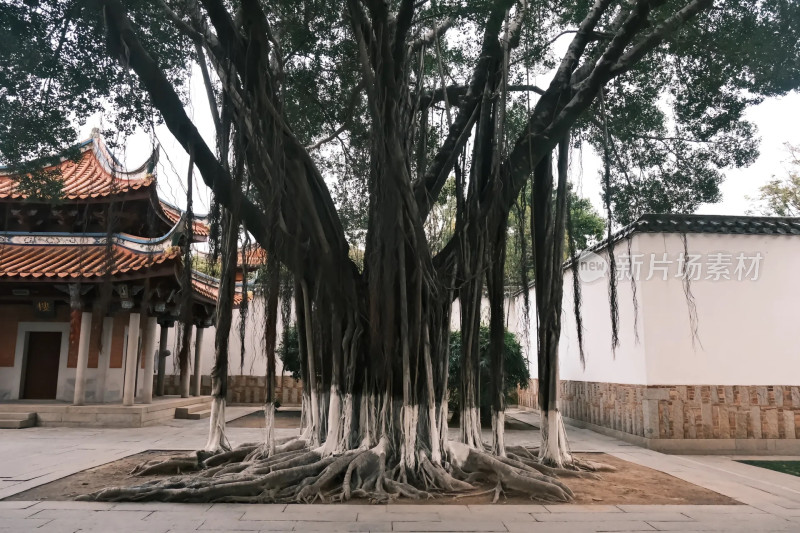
(217, 441)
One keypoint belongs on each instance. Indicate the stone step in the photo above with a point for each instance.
(6, 415)
(10, 423)
(194, 411)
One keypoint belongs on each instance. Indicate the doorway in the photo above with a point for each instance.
(41, 365)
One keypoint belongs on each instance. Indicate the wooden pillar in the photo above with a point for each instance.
(149, 354)
(128, 391)
(83, 358)
(198, 374)
(162, 357)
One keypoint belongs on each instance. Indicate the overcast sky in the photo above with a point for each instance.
(777, 119)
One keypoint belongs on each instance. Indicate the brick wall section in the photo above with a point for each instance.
(681, 411)
(610, 405)
(246, 389)
(727, 412)
(529, 397)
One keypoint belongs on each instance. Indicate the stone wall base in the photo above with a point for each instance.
(744, 419)
(245, 389)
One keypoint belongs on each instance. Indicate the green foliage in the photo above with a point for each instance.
(781, 197)
(516, 369)
(203, 263)
(56, 72)
(786, 467)
(676, 119)
(588, 225)
(289, 352)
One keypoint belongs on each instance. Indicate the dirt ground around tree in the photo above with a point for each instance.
(630, 484)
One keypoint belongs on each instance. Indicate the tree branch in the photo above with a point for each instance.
(432, 35)
(427, 189)
(657, 36)
(166, 100)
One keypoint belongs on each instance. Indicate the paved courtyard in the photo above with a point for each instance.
(32, 457)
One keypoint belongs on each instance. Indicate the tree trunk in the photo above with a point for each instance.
(219, 374)
(548, 243)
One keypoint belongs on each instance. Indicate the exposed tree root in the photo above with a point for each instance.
(296, 472)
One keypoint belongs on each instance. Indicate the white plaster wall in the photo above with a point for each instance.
(255, 360)
(748, 331)
(625, 363)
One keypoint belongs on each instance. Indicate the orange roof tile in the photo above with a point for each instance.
(174, 214)
(210, 290)
(95, 174)
(57, 262)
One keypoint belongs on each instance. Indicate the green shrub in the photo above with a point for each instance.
(289, 352)
(516, 371)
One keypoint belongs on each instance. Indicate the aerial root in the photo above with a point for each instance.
(174, 465)
(296, 472)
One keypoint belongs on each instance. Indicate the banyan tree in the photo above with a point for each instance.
(339, 128)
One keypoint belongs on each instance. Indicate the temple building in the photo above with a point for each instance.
(92, 282)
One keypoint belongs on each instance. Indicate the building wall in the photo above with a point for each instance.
(105, 369)
(747, 330)
(736, 379)
(247, 389)
(254, 362)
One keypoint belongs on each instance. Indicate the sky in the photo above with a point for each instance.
(777, 120)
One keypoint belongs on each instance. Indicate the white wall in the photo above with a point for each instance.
(255, 361)
(748, 331)
(626, 362)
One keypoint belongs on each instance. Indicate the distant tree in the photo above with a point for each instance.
(781, 196)
(587, 223)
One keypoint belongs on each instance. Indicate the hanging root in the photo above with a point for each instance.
(294, 471)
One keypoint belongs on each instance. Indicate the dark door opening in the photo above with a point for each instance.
(41, 367)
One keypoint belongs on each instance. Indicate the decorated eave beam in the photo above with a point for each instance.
(89, 258)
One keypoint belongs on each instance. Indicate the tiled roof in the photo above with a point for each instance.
(208, 288)
(95, 174)
(59, 262)
(693, 224)
(719, 224)
(199, 228)
(742, 225)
